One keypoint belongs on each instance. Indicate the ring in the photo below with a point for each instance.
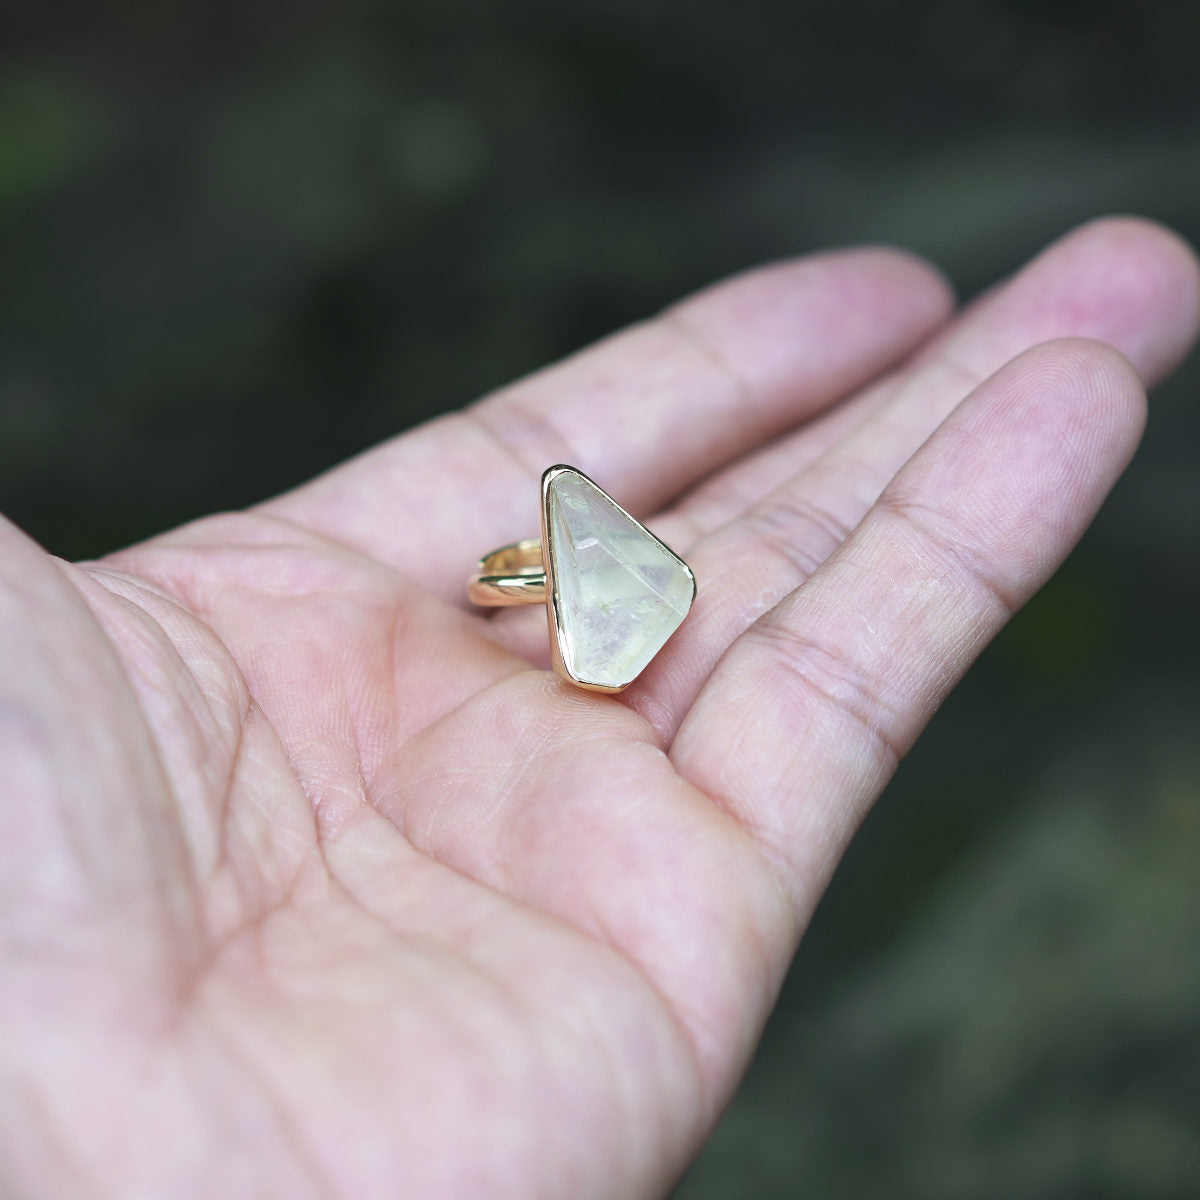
(613, 592)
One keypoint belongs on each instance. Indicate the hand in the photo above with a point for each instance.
(311, 886)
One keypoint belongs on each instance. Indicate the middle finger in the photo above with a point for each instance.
(1129, 283)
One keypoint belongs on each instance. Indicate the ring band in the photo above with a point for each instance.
(511, 575)
(613, 592)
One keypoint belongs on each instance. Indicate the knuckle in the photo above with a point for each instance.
(805, 672)
(940, 538)
(795, 530)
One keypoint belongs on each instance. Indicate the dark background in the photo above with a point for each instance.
(239, 242)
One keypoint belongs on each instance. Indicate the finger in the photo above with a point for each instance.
(809, 712)
(1122, 280)
(646, 413)
(87, 851)
(748, 565)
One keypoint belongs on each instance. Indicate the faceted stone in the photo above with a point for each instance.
(619, 593)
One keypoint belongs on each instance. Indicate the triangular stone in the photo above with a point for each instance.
(617, 592)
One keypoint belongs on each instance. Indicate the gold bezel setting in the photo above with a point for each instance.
(528, 572)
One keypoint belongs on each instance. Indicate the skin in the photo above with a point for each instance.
(315, 883)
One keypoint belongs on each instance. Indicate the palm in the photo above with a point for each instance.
(325, 887)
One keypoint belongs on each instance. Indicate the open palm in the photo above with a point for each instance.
(314, 882)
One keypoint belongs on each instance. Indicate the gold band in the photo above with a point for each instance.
(511, 575)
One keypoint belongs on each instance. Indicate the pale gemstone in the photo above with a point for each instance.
(619, 592)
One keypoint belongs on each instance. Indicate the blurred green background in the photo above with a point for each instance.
(240, 241)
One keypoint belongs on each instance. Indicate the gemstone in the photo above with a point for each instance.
(617, 592)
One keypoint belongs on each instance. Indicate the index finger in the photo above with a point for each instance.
(647, 412)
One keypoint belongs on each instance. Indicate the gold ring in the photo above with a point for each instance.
(613, 592)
